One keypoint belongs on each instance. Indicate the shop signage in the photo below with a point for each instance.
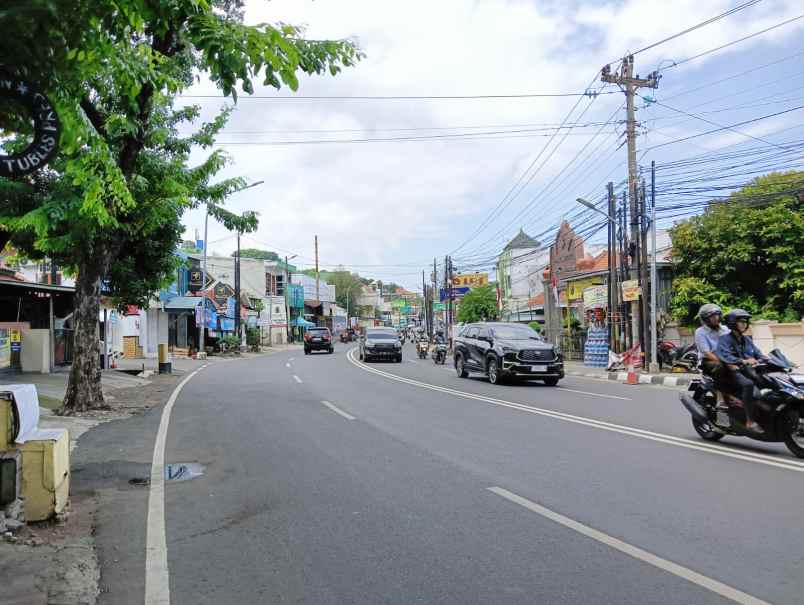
(595, 297)
(456, 293)
(222, 293)
(46, 128)
(437, 306)
(196, 281)
(575, 289)
(631, 290)
(470, 280)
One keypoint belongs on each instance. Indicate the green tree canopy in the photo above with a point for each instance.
(746, 252)
(257, 253)
(479, 304)
(109, 207)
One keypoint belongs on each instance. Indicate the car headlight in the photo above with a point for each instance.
(398, 345)
(508, 349)
(369, 344)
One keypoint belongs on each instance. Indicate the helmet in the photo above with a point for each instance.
(708, 310)
(733, 316)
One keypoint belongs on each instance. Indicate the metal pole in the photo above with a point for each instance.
(287, 292)
(202, 327)
(237, 291)
(612, 265)
(654, 284)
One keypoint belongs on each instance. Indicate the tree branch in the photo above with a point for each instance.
(96, 118)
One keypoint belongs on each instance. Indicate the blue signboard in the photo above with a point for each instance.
(456, 293)
(227, 323)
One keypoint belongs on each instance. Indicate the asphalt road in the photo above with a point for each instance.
(331, 481)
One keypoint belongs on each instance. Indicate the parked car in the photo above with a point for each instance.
(506, 350)
(318, 339)
(380, 343)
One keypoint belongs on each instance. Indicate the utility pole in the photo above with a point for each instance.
(644, 300)
(654, 284)
(435, 289)
(237, 291)
(286, 292)
(612, 289)
(203, 326)
(629, 84)
(317, 279)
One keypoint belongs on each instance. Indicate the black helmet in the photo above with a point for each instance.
(735, 315)
(708, 310)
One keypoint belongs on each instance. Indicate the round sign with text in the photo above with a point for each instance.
(45, 122)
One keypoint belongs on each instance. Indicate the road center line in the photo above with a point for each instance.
(297, 379)
(287, 365)
(338, 411)
(720, 450)
(685, 573)
(291, 358)
(157, 575)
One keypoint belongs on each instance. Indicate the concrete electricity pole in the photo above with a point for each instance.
(629, 84)
(317, 294)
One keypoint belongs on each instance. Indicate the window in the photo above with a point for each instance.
(471, 332)
(280, 285)
(482, 332)
(277, 309)
(516, 333)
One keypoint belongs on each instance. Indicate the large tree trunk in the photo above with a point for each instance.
(84, 387)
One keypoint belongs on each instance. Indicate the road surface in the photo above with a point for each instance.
(329, 481)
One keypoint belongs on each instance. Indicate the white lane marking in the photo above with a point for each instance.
(684, 573)
(790, 465)
(297, 379)
(338, 411)
(287, 365)
(412, 361)
(157, 575)
(291, 358)
(593, 394)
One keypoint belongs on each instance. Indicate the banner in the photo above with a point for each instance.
(631, 290)
(470, 280)
(595, 297)
(456, 293)
(575, 289)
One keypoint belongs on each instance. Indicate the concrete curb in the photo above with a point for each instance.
(653, 379)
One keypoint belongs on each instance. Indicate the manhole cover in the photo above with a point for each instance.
(183, 471)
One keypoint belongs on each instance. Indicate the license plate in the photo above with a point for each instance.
(316, 340)
(538, 368)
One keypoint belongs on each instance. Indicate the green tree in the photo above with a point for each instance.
(479, 304)
(745, 252)
(257, 253)
(109, 207)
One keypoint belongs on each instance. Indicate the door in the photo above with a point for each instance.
(482, 346)
(470, 342)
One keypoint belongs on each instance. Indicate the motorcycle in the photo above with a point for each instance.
(421, 349)
(779, 408)
(673, 356)
(440, 353)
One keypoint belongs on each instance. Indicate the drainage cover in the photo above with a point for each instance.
(139, 481)
(183, 471)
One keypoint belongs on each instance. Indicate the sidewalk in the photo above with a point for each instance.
(667, 379)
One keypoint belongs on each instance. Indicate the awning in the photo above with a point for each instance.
(185, 304)
(301, 322)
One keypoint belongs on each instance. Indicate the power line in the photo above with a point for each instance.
(699, 25)
(587, 93)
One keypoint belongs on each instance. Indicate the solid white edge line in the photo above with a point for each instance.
(157, 575)
(680, 571)
(719, 450)
(297, 379)
(338, 411)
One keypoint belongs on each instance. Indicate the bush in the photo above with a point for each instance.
(535, 325)
(230, 341)
(253, 337)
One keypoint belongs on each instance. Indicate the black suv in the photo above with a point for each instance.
(503, 350)
(318, 339)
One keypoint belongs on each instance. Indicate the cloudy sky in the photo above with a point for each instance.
(387, 208)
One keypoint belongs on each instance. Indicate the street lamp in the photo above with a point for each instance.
(201, 344)
(591, 206)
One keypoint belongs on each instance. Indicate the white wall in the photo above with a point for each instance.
(35, 354)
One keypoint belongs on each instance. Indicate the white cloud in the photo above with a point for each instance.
(404, 202)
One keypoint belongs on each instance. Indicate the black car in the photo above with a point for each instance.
(380, 343)
(507, 350)
(318, 339)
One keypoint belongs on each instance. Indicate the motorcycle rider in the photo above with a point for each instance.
(707, 337)
(739, 355)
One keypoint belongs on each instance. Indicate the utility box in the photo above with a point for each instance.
(45, 473)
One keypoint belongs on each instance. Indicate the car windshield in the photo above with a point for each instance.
(319, 332)
(515, 333)
(380, 334)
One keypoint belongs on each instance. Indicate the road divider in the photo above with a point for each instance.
(680, 571)
(297, 379)
(719, 450)
(338, 411)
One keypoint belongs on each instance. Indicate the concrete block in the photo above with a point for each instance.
(46, 475)
(644, 378)
(670, 381)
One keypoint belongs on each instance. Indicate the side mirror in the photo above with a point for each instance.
(485, 339)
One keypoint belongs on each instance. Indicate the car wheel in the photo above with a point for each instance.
(362, 357)
(460, 367)
(332, 350)
(551, 382)
(399, 359)
(493, 371)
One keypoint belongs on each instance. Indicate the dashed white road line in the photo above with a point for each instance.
(157, 575)
(291, 358)
(287, 365)
(680, 571)
(338, 411)
(297, 379)
(701, 446)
